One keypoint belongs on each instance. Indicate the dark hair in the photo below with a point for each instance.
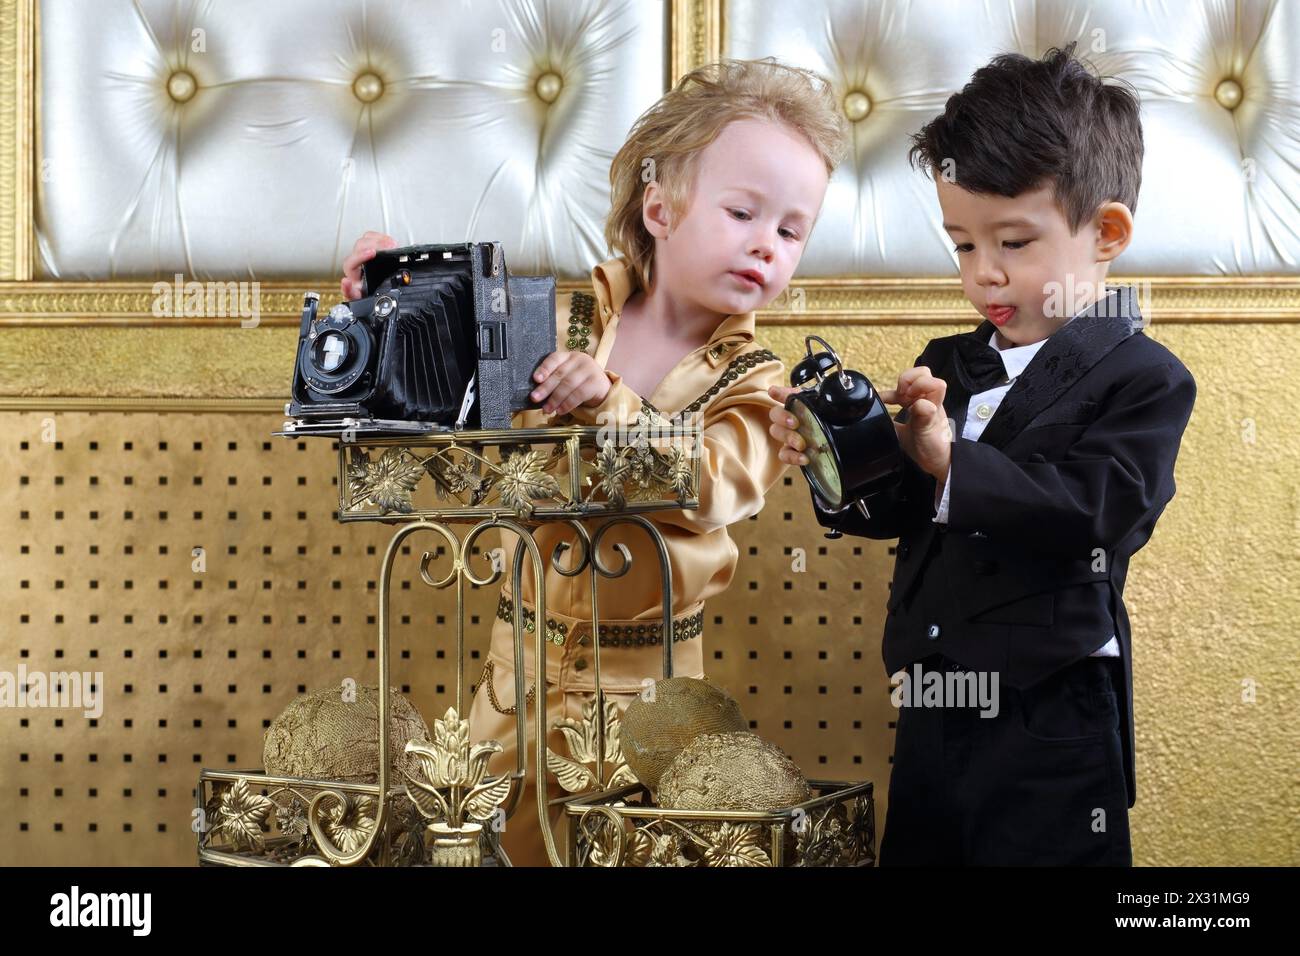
(1020, 122)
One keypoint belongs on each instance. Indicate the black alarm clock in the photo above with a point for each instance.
(849, 437)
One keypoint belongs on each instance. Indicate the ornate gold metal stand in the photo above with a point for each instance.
(445, 812)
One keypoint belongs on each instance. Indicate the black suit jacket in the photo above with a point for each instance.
(1045, 509)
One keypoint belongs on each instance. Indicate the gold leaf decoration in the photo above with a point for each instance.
(667, 851)
(580, 739)
(350, 824)
(457, 478)
(612, 467)
(482, 802)
(573, 777)
(523, 480)
(450, 781)
(242, 815)
(605, 831)
(639, 848)
(387, 483)
(681, 474)
(736, 845)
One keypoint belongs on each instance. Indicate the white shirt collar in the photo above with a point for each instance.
(1017, 357)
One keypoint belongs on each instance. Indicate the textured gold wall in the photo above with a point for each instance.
(287, 602)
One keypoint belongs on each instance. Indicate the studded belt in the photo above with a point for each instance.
(624, 634)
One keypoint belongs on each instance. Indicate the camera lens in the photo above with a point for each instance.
(330, 352)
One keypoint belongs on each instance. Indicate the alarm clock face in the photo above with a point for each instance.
(821, 468)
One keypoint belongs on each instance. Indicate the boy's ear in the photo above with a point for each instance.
(654, 211)
(1114, 230)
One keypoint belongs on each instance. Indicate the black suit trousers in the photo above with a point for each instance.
(1039, 784)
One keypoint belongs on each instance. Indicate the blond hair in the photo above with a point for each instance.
(667, 139)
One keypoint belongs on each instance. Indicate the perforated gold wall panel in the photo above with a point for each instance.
(1213, 599)
(100, 527)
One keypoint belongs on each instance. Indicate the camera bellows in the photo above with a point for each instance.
(429, 349)
(656, 726)
(323, 737)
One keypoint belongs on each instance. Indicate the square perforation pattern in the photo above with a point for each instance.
(100, 522)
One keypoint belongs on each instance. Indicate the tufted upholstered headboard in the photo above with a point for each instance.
(242, 139)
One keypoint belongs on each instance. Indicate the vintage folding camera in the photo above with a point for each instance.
(444, 338)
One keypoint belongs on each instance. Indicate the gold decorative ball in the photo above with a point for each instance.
(323, 737)
(548, 87)
(181, 85)
(735, 771)
(368, 87)
(857, 105)
(1228, 94)
(660, 722)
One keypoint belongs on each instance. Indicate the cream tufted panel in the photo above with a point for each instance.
(1220, 185)
(303, 123)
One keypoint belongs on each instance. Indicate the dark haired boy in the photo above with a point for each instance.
(1015, 532)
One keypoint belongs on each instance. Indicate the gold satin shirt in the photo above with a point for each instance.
(721, 387)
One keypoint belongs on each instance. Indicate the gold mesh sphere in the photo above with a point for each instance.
(734, 771)
(322, 737)
(678, 710)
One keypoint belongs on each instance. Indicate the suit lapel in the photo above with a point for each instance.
(1066, 357)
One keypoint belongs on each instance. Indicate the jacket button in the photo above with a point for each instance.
(933, 632)
(985, 567)
(903, 551)
(580, 664)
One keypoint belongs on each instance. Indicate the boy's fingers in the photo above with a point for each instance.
(926, 414)
(933, 389)
(907, 381)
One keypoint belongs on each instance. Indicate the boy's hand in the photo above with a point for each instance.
(567, 380)
(927, 435)
(362, 251)
(782, 428)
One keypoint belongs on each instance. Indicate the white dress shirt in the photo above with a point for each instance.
(980, 411)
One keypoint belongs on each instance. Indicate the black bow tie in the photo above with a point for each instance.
(979, 366)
